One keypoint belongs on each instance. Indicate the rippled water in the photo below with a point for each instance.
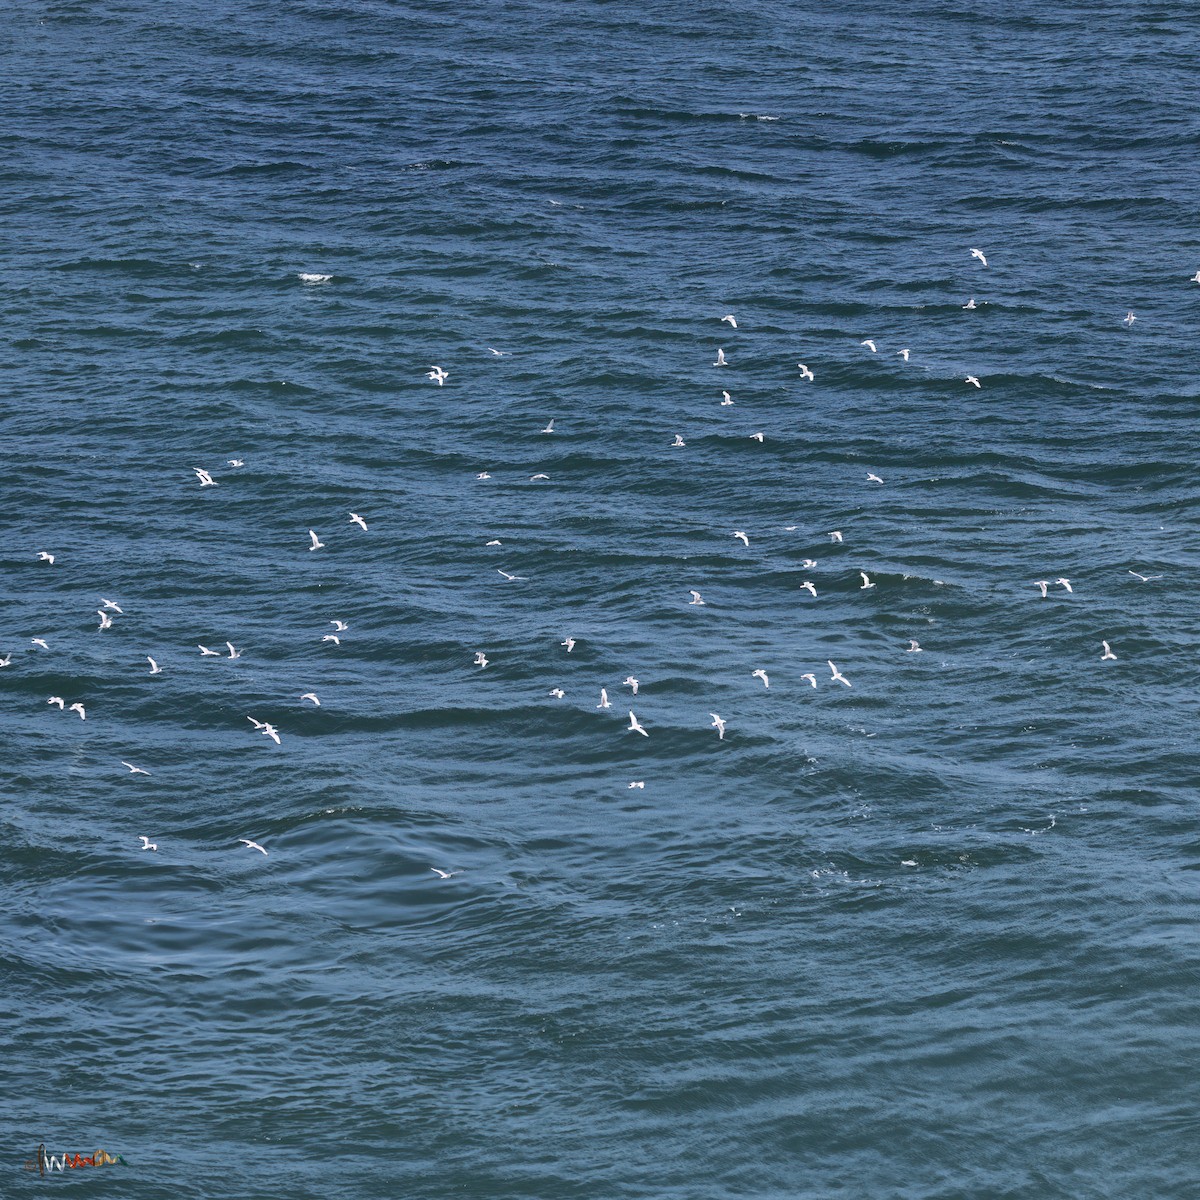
(928, 936)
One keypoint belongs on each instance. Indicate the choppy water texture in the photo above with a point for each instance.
(932, 935)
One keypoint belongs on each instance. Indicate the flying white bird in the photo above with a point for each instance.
(40, 642)
(232, 652)
(355, 519)
(972, 379)
(979, 255)
(59, 701)
(252, 845)
(480, 659)
(206, 480)
(870, 345)
(109, 606)
(1107, 652)
(805, 373)
(756, 437)
(132, 769)
(603, 699)
(443, 874)
(678, 441)
(1145, 578)
(205, 652)
(317, 544)
(512, 578)
(147, 844)
(535, 478)
(498, 353)
(235, 462)
(1066, 583)
(836, 536)
(913, 646)
(726, 399)
(269, 730)
(761, 674)
(569, 643)
(903, 354)
(729, 319)
(634, 727)
(1043, 584)
(737, 533)
(483, 475)
(105, 619)
(494, 542)
(809, 563)
(557, 693)
(718, 725)
(1194, 278)
(837, 676)
(812, 679)
(255, 722)
(549, 428)
(720, 359)
(437, 374)
(873, 478)
(638, 783)
(970, 303)
(866, 581)
(44, 557)
(311, 696)
(339, 626)
(6, 661)
(1129, 319)
(696, 598)
(808, 586)
(155, 669)
(630, 682)
(77, 707)
(332, 637)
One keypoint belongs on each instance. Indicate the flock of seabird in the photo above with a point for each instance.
(108, 608)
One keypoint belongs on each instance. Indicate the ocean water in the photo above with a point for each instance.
(932, 935)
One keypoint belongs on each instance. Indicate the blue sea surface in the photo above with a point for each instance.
(928, 935)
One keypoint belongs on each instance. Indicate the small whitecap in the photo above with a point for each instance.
(307, 277)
